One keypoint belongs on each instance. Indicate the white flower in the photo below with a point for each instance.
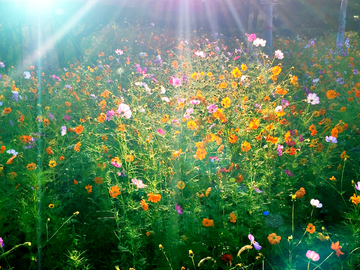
(278, 109)
(315, 203)
(163, 90)
(200, 54)
(279, 54)
(313, 99)
(259, 41)
(27, 75)
(119, 52)
(12, 151)
(124, 110)
(166, 99)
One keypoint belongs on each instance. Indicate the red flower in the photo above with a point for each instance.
(227, 258)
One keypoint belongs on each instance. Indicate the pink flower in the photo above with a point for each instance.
(279, 54)
(195, 102)
(161, 132)
(212, 108)
(138, 183)
(178, 209)
(251, 37)
(176, 82)
(312, 255)
(124, 110)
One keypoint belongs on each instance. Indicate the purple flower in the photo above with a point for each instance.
(178, 209)
(356, 71)
(11, 123)
(2, 64)
(52, 117)
(66, 117)
(284, 103)
(1, 242)
(257, 190)
(289, 173)
(301, 138)
(312, 255)
(252, 240)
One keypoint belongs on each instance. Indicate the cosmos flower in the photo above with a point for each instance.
(312, 255)
(124, 110)
(258, 42)
(178, 209)
(315, 203)
(252, 240)
(313, 99)
(63, 130)
(331, 139)
(27, 75)
(279, 54)
(138, 183)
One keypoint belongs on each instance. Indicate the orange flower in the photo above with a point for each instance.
(300, 193)
(129, 158)
(88, 188)
(67, 104)
(200, 153)
(144, 205)
(232, 218)
(337, 248)
(180, 185)
(154, 198)
(208, 222)
(334, 132)
(281, 91)
(75, 182)
(2, 149)
(207, 192)
(25, 138)
(274, 239)
(49, 151)
(223, 85)
(243, 67)
(239, 178)
(114, 191)
(61, 158)
(233, 138)
(310, 228)
(102, 54)
(332, 178)
(46, 122)
(245, 146)
(79, 129)
(77, 147)
(31, 166)
(355, 199)
(331, 94)
(98, 180)
(254, 124)
(7, 110)
(165, 118)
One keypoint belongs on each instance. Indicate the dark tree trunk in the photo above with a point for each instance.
(342, 23)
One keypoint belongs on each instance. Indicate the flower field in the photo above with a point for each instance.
(157, 152)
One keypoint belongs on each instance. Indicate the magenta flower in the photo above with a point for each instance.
(195, 102)
(161, 131)
(178, 209)
(116, 164)
(66, 117)
(357, 186)
(124, 110)
(251, 37)
(312, 255)
(1, 242)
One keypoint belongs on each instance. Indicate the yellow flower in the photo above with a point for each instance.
(51, 205)
(207, 192)
(236, 72)
(191, 125)
(323, 237)
(52, 163)
(243, 67)
(226, 102)
(332, 178)
(180, 185)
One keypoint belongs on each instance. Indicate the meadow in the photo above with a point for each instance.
(158, 152)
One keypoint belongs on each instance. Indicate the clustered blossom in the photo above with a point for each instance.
(257, 42)
(315, 203)
(279, 54)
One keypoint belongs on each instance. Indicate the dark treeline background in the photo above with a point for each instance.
(67, 23)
